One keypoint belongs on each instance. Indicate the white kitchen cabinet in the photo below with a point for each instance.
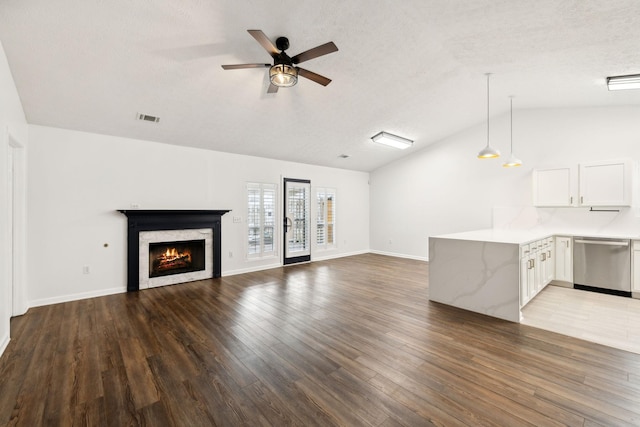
(635, 270)
(536, 268)
(564, 259)
(550, 259)
(605, 183)
(554, 187)
(602, 183)
(525, 267)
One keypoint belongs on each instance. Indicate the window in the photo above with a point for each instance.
(261, 220)
(326, 216)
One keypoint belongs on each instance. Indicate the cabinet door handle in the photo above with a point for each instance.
(549, 254)
(571, 200)
(581, 199)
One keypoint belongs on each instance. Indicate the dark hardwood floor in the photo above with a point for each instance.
(353, 341)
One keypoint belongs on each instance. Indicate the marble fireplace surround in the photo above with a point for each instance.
(140, 221)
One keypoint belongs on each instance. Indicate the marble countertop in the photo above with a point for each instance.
(522, 237)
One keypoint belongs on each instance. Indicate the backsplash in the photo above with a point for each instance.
(568, 220)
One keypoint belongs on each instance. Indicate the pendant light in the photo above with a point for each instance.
(513, 160)
(488, 152)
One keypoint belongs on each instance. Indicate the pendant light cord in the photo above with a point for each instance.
(488, 75)
(511, 122)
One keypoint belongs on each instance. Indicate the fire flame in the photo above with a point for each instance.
(172, 254)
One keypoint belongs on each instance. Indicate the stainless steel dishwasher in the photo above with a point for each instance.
(604, 264)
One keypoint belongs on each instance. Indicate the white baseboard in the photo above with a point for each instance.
(75, 297)
(397, 255)
(562, 284)
(4, 343)
(335, 256)
(250, 269)
(314, 258)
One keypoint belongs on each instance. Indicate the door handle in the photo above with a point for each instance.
(603, 242)
(287, 223)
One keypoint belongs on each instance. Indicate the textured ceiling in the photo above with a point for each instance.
(414, 68)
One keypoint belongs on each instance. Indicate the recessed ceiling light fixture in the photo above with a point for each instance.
(631, 81)
(392, 140)
(488, 152)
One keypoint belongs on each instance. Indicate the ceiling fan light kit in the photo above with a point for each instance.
(283, 75)
(392, 140)
(624, 82)
(284, 72)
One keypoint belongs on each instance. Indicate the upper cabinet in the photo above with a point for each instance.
(603, 183)
(606, 183)
(554, 187)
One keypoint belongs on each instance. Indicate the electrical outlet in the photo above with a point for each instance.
(85, 269)
(135, 205)
(230, 254)
(237, 219)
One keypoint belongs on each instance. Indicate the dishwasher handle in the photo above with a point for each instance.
(603, 242)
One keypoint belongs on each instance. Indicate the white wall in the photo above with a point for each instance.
(12, 120)
(78, 180)
(445, 188)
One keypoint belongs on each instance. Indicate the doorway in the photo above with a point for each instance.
(297, 221)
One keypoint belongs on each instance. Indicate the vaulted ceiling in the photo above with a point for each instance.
(414, 68)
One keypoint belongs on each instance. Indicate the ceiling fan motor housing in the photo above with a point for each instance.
(282, 43)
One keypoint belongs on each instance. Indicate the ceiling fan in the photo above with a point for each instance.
(284, 72)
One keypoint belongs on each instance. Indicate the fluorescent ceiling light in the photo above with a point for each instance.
(624, 82)
(391, 140)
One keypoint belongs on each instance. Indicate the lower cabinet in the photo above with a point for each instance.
(527, 274)
(635, 269)
(536, 268)
(564, 259)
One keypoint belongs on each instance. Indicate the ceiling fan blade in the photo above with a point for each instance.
(265, 42)
(272, 88)
(313, 76)
(239, 66)
(315, 52)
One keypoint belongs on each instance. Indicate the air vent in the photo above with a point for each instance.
(343, 156)
(147, 118)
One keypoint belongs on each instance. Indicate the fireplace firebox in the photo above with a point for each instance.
(167, 258)
(143, 229)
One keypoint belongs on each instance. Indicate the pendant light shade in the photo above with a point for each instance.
(513, 160)
(488, 152)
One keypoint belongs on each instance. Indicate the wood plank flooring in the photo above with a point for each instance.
(350, 342)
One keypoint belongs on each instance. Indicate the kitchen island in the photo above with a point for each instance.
(481, 270)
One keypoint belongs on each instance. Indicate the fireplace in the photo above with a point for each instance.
(166, 258)
(166, 247)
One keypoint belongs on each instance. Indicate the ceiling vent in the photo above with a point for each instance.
(147, 118)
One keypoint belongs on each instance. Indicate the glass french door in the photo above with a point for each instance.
(297, 221)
